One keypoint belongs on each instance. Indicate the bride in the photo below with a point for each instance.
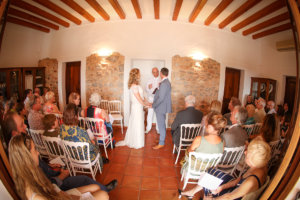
(135, 132)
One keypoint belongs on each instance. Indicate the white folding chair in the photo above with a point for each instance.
(95, 126)
(248, 128)
(81, 122)
(36, 136)
(188, 132)
(275, 151)
(116, 111)
(55, 148)
(59, 118)
(230, 159)
(256, 128)
(76, 152)
(104, 105)
(198, 164)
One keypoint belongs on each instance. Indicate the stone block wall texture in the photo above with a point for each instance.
(51, 74)
(188, 79)
(105, 76)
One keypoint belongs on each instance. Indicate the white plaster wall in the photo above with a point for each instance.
(157, 40)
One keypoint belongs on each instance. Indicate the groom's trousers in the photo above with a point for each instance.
(161, 122)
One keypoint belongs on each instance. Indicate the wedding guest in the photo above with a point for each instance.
(233, 102)
(268, 130)
(45, 90)
(29, 98)
(250, 110)
(37, 92)
(21, 110)
(31, 183)
(70, 131)
(249, 100)
(35, 117)
(211, 142)
(49, 107)
(260, 110)
(258, 155)
(271, 107)
(236, 136)
(12, 105)
(188, 116)
(74, 97)
(51, 126)
(216, 106)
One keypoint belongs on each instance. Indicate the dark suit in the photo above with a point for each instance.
(188, 116)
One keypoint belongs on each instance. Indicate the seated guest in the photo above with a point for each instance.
(271, 107)
(268, 130)
(49, 107)
(45, 90)
(29, 98)
(249, 100)
(260, 113)
(188, 116)
(22, 112)
(51, 126)
(75, 98)
(257, 157)
(250, 110)
(233, 102)
(70, 131)
(93, 111)
(37, 93)
(35, 117)
(12, 105)
(211, 142)
(215, 106)
(236, 136)
(31, 183)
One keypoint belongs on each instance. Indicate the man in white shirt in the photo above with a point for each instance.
(271, 107)
(151, 86)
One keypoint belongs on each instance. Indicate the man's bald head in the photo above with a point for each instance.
(155, 72)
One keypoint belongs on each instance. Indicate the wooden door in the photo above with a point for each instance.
(231, 88)
(290, 90)
(72, 78)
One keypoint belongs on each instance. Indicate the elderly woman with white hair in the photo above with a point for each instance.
(257, 157)
(49, 107)
(93, 111)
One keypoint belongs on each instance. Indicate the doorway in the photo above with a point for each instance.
(72, 78)
(231, 88)
(290, 90)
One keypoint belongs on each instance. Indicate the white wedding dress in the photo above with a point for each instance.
(135, 134)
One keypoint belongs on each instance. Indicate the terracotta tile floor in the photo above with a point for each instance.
(143, 173)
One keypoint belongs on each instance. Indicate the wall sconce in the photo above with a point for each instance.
(103, 53)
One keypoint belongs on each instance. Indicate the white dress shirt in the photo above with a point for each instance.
(155, 84)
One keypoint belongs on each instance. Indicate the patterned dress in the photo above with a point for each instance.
(77, 134)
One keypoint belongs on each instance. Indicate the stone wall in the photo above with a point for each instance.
(188, 79)
(105, 76)
(51, 74)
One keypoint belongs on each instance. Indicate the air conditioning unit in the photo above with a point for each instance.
(286, 45)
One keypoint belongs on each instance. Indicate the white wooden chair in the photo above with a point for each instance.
(230, 159)
(188, 132)
(36, 136)
(256, 128)
(104, 104)
(55, 149)
(81, 122)
(115, 110)
(59, 118)
(198, 164)
(78, 161)
(275, 151)
(102, 139)
(252, 129)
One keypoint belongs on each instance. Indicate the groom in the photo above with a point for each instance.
(162, 105)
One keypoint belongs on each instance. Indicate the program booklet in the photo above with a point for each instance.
(209, 181)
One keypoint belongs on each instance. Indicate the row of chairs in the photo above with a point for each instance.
(114, 108)
(71, 153)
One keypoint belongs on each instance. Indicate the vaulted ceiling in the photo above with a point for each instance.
(258, 18)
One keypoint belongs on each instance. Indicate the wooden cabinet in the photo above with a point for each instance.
(14, 81)
(263, 87)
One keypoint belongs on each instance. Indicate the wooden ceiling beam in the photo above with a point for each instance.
(177, 9)
(137, 8)
(274, 30)
(75, 6)
(115, 4)
(27, 24)
(200, 4)
(55, 8)
(2, 7)
(261, 13)
(99, 9)
(26, 6)
(156, 9)
(24, 15)
(238, 12)
(267, 23)
(217, 11)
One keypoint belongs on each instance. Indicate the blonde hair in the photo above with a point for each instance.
(134, 77)
(216, 120)
(250, 110)
(26, 173)
(95, 99)
(49, 95)
(216, 106)
(73, 96)
(258, 152)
